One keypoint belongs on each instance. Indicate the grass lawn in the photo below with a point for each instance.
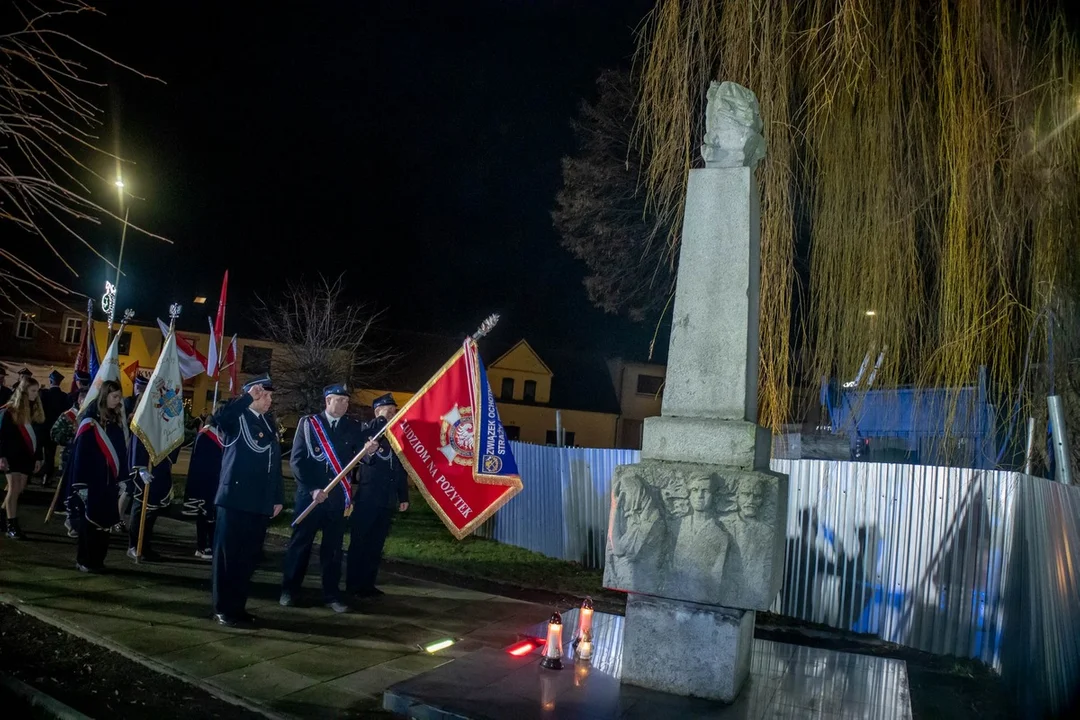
(419, 537)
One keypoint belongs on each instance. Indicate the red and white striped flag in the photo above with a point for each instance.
(217, 333)
(192, 362)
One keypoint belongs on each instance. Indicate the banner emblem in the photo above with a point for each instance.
(170, 402)
(456, 436)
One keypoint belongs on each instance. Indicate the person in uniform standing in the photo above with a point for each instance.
(123, 502)
(157, 498)
(82, 385)
(55, 401)
(204, 475)
(99, 461)
(382, 489)
(323, 444)
(251, 492)
(63, 434)
(22, 429)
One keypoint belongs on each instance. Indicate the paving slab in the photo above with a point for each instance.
(306, 662)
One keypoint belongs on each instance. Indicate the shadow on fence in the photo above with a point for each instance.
(972, 563)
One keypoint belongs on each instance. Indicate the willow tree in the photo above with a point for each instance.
(923, 166)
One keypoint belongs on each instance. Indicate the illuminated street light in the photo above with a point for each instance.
(871, 313)
(120, 183)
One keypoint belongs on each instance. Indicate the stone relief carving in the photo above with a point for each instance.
(697, 533)
(732, 127)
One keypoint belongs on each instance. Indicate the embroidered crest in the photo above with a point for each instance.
(456, 435)
(170, 402)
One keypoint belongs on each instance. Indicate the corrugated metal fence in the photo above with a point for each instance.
(972, 563)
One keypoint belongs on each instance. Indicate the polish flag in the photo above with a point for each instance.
(217, 332)
(192, 362)
(229, 363)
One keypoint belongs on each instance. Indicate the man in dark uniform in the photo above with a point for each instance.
(55, 402)
(382, 488)
(123, 502)
(251, 492)
(82, 385)
(323, 444)
(130, 403)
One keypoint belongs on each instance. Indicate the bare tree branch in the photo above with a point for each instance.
(45, 120)
(324, 339)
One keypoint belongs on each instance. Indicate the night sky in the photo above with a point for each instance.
(413, 145)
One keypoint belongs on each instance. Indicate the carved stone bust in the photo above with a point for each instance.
(732, 127)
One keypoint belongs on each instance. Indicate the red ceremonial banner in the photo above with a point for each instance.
(435, 436)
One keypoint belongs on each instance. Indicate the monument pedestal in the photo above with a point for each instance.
(686, 648)
(697, 527)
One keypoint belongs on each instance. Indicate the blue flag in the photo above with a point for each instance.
(495, 456)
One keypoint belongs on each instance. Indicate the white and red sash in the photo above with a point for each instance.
(331, 457)
(104, 444)
(29, 437)
(214, 434)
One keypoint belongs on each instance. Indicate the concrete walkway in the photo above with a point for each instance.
(305, 662)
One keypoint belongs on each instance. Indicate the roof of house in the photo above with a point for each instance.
(579, 381)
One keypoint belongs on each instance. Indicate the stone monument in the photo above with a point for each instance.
(697, 528)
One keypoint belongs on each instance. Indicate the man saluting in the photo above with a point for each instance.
(251, 492)
(324, 443)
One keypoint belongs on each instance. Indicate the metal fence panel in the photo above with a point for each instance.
(954, 561)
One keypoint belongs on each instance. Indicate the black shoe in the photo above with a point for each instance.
(286, 600)
(223, 619)
(3, 521)
(248, 618)
(13, 530)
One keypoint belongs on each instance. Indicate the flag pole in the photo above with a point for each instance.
(174, 310)
(142, 513)
(484, 329)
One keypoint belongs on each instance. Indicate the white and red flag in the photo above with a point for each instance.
(217, 334)
(192, 362)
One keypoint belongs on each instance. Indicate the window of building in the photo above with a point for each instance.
(72, 330)
(124, 348)
(513, 432)
(24, 330)
(507, 389)
(568, 438)
(649, 385)
(530, 391)
(256, 360)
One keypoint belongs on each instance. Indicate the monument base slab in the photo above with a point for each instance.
(785, 681)
(686, 648)
(734, 443)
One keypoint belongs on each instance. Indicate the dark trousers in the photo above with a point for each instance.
(329, 518)
(368, 528)
(204, 531)
(238, 541)
(48, 465)
(93, 545)
(136, 520)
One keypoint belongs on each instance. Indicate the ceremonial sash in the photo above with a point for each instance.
(29, 437)
(331, 456)
(213, 435)
(104, 444)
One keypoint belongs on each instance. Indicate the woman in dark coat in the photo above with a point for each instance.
(22, 436)
(203, 478)
(99, 460)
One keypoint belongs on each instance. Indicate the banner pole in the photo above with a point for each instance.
(340, 476)
(485, 327)
(142, 514)
(56, 494)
